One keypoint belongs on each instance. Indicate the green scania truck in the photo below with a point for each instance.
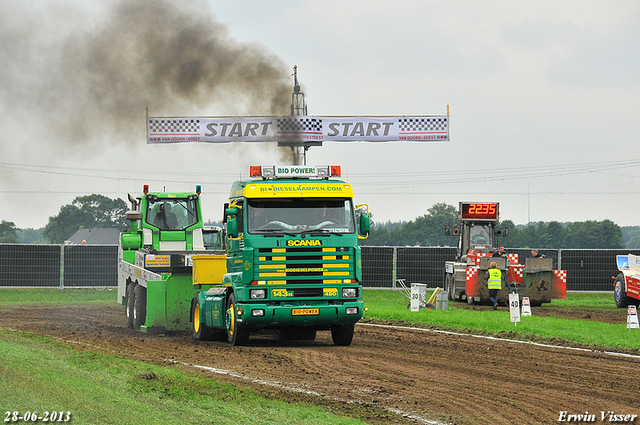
(291, 260)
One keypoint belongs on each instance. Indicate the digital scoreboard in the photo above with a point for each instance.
(479, 211)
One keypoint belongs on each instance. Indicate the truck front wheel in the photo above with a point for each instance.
(139, 306)
(342, 335)
(236, 334)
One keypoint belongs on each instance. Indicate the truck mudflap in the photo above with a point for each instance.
(263, 315)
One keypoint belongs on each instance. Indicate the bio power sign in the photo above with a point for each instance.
(298, 129)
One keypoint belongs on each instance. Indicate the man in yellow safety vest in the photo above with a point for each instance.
(494, 282)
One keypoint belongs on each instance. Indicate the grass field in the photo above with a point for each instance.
(41, 374)
(392, 306)
(55, 295)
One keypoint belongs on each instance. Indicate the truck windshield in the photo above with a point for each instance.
(212, 238)
(172, 214)
(300, 215)
(480, 235)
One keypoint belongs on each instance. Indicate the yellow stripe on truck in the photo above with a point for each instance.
(298, 190)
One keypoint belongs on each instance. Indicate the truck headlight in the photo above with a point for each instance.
(258, 294)
(257, 313)
(349, 292)
(351, 310)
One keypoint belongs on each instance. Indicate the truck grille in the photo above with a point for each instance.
(307, 292)
(304, 265)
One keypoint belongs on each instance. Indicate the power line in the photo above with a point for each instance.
(379, 180)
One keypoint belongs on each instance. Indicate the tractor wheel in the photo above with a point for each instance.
(236, 334)
(449, 286)
(619, 292)
(199, 331)
(342, 335)
(139, 306)
(129, 305)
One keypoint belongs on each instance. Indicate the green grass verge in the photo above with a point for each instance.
(38, 374)
(57, 295)
(586, 301)
(388, 305)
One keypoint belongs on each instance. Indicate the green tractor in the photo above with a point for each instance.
(155, 280)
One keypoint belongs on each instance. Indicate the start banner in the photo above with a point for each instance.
(298, 130)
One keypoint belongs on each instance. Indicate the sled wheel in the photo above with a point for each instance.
(139, 306)
(129, 305)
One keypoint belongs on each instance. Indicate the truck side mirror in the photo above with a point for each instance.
(230, 215)
(506, 232)
(365, 224)
(224, 212)
(232, 227)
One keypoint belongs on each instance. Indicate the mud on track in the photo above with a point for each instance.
(424, 375)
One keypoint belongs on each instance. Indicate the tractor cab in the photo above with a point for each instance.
(476, 229)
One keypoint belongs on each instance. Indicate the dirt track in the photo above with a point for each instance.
(425, 375)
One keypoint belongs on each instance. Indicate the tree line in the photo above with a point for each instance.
(98, 211)
(89, 211)
(429, 230)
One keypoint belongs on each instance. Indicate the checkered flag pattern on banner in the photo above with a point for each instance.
(300, 125)
(174, 126)
(423, 124)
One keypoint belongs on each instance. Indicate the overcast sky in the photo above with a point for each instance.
(544, 100)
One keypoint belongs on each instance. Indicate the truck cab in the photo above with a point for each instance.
(293, 260)
(478, 236)
(169, 221)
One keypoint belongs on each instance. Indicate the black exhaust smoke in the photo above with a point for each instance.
(82, 77)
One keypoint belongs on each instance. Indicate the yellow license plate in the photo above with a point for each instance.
(305, 311)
